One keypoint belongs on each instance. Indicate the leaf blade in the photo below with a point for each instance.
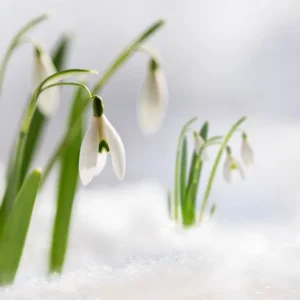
(67, 187)
(16, 228)
(183, 171)
(194, 180)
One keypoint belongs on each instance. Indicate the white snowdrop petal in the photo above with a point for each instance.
(227, 172)
(205, 156)
(247, 153)
(199, 143)
(116, 148)
(153, 103)
(240, 169)
(101, 162)
(88, 159)
(49, 100)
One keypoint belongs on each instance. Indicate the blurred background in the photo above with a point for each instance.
(222, 59)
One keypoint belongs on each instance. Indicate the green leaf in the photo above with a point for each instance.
(213, 209)
(34, 135)
(213, 173)
(60, 52)
(38, 122)
(194, 180)
(120, 60)
(16, 42)
(178, 165)
(16, 227)
(203, 133)
(67, 186)
(183, 170)
(170, 204)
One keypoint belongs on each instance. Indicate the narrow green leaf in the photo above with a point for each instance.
(183, 170)
(213, 173)
(34, 135)
(213, 209)
(177, 167)
(60, 52)
(16, 227)
(203, 133)
(16, 41)
(119, 61)
(170, 204)
(204, 130)
(38, 122)
(194, 180)
(67, 186)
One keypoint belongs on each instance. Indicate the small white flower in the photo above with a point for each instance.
(199, 143)
(48, 100)
(231, 164)
(100, 139)
(246, 152)
(154, 99)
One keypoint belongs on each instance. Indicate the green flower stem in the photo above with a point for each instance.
(66, 141)
(16, 41)
(126, 54)
(55, 77)
(194, 180)
(216, 164)
(69, 83)
(39, 121)
(15, 176)
(177, 167)
(113, 68)
(150, 52)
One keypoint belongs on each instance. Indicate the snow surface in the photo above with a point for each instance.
(123, 245)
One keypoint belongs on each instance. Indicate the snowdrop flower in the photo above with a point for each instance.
(154, 99)
(100, 139)
(246, 151)
(43, 67)
(231, 164)
(199, 143)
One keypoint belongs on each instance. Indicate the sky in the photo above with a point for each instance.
(222, 60)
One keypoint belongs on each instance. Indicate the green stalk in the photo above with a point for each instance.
(67, 186)
(16, 42)
(203, 133)
(177, 167)
(39, 122)
(68, 151)
(16, 227)
(183, 169)
(112, 69)
(14, 182)
(195, 176)
(126, 54)
(170, 205)
(216, 164)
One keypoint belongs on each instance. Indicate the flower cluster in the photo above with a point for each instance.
(187, 180)
(81, 156)
(232, 164)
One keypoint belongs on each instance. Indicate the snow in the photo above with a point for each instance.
(123, 246)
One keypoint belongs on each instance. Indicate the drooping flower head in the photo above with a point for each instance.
(100, 140)
(246, 151)
(154, 99)
(48, 101)
(232, 164)
(199, 146)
